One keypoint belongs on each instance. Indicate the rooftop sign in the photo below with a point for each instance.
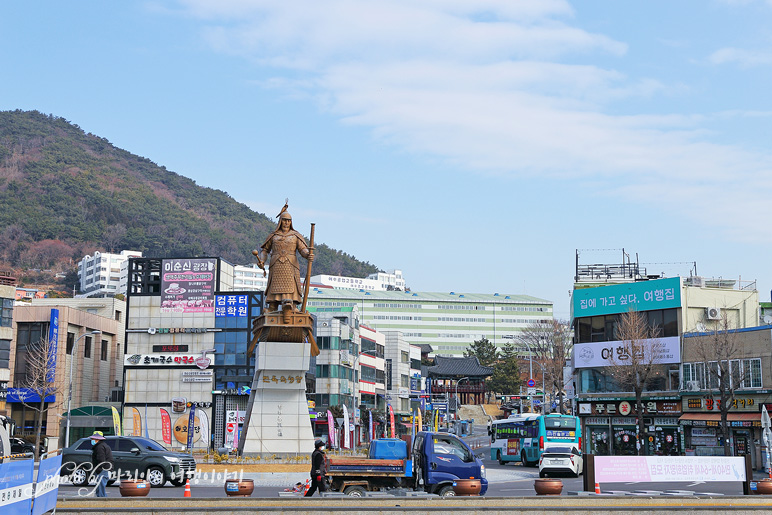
(620, 298)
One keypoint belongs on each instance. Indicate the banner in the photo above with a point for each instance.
(346, 432)
(331, 429)
(232, 421)
(191, 426)
(616, 469)
(53, 339)
(117, 429)
(147, 433)
(203, 420)
(47, 485)
(420, 421)
(662, 351)
(137, 423)
(187, 285)
(166, 426)
(436, 420)
(16, 487)
(391, 422)
(370, 426)
(412, 426)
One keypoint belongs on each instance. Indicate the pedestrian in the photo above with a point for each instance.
(102, 461)
(317, 469)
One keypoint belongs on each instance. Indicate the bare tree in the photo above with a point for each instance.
(721, 354)
(40, 382)
(634, 361)
(550, 343)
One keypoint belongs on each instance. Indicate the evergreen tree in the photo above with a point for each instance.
(506, 372)
(486, 352)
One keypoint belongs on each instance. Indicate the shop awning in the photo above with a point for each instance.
(714, 419)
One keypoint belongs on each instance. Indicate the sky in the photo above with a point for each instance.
(476, 145)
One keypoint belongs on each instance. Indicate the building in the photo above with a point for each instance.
(187, 336)
(372, 369)
(105, 274)
(448, 322)
(748, 351)
(380, 281)
(96, 369)
(7, 295)
(673, 305)
(250, 277)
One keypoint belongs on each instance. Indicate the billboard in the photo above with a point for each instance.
(187, 285)
(620, 298)
(604, 354)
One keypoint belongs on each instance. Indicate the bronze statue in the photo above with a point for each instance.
(284, 244)
(282, 321)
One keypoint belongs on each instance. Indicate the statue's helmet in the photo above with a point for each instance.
(285, 216)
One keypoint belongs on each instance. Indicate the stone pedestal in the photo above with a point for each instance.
(279, 422)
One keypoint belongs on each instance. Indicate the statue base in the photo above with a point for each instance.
(286, 325)
(278, 420)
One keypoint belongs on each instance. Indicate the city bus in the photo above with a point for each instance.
(524, 437)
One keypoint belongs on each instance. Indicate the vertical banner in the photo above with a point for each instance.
(331, 429)
(436, 420)
(47, 485)
(391, 422)
(203, 422)
(147, 433)
(16, 487)
(53, 339)
(412, 426)
(346, 432)
(117, 429)
(420, 421)
(370, 426)
(232, 419)
(191, 426)
(137, 423)
(166, 426)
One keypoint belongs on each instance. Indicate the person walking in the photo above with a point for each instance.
(317, 469)
(102, 461)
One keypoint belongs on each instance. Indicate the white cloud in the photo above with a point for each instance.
(494, 87)
(741, 57)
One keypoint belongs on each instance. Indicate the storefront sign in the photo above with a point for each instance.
(708, 403)
(282, 379)
(53, 338)
(181, 430)
(404, 393)
(624, 421)
(616, 469)
(187, 285)
(629, 408)
(197, 376)
(670, 421)
(231, 306)
(620, 298)
(159, 359)
(596, 421)
(703, 431)
(604, 354)
(179, 405)
(170, 348)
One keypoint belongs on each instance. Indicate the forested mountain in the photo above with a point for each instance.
(65, 193)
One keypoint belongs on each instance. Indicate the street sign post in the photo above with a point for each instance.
(531, 383)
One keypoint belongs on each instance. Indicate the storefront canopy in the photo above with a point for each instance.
(714, 419)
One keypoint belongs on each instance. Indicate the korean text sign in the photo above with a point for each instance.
(616, 469)
(621, 298)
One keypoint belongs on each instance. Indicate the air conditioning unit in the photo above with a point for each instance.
(713, 313)
(693, 386)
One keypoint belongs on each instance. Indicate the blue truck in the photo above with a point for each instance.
(435, 464)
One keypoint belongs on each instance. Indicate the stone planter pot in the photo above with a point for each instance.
(467, 486)
(134, 488)
(764, 486)
(548, 486)
(239, 487)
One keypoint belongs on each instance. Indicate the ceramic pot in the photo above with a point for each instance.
(239, 487)
(764, 486)
(466, 486)
(548, 486)
(134, 488)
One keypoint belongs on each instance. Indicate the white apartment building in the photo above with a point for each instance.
(449, 322)
(249, 277)
(381, 281)
(104, 273)
(403, 371)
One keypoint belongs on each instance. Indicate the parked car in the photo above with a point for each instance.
(561, 460)
(134, 457)
(20, 446)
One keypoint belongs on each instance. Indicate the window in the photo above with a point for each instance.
(404, 381)
(70, 343)
(103, 355)
(6, 312)
(5, 353)
(449, 445)
(87, 347)
(27, 333)
(405, 357)
(752, 373)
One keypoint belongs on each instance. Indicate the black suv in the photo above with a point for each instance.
(134, 456)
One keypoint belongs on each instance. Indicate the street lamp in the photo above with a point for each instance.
(462, 379)
(69, 396)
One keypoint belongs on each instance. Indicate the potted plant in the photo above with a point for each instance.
(764, 486)
(134, 488)
(239, 487)
(548, 486)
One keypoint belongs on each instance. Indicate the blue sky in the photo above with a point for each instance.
(473, 144)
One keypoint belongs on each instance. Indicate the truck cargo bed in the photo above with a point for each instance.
(364, 467)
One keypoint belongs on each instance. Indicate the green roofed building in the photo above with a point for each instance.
(449, 322)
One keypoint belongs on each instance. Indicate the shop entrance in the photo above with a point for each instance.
(599, 441)
(624, 441)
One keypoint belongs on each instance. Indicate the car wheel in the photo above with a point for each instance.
(446, 491)
(178, 481)
(79, 477)
(355, 491)
(155, 476)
